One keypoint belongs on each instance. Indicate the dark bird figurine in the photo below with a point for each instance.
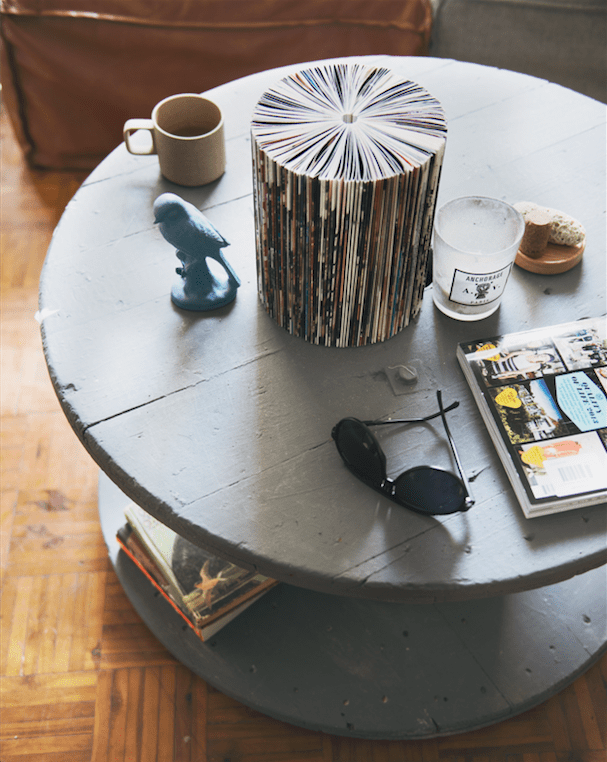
(185, 227)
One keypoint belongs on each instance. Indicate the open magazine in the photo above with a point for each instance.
(205, 590)
(543, 397)
(346, 166)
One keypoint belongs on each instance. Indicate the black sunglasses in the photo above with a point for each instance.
(425, 489)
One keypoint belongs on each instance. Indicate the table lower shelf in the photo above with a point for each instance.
(371, 669)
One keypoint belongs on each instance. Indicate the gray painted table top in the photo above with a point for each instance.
(219, 424)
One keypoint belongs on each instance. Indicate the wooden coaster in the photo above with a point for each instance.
(555, 259)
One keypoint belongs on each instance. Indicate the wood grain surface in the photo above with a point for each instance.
(82, 679)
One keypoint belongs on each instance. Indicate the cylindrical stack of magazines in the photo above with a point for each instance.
(346, 165)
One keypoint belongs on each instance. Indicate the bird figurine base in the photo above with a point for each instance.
(201, 290)
(184, 226)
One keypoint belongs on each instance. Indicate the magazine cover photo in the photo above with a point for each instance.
(547, 394)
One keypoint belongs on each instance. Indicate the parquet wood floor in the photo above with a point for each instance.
(82, 679)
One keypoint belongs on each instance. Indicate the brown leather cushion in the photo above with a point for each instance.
(71, 77)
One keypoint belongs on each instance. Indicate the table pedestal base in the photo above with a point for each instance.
(369, 669)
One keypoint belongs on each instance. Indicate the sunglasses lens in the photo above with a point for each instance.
(360, 450)
(430, 490)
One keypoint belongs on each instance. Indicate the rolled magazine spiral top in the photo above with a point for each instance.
(346, 164)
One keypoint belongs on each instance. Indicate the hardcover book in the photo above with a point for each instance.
(543, 397)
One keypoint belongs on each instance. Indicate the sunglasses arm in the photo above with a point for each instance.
(469, 498)
(452, 406)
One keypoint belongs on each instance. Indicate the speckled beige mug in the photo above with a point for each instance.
(188, 137)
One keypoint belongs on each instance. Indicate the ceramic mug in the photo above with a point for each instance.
(188, 137)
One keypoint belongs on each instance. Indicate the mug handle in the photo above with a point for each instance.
(131, 126)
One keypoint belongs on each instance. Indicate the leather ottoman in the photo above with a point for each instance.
(74, 70)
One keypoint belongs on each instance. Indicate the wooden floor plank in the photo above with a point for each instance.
(36, 555)
(82, 679)
(166, 712)
(199, 720)
(29, 691)
(11, 439)
(103, 714)
(53, 718)
(44, 745)
(184, 740)
(149, 720)
(61, 756)
(8, 601)
(66, 624)
(88, 624)
(17, 629)
(119, 701)
(36, 624)
(53, 610)
(132, 737)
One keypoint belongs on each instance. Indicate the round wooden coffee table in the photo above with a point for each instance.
(389, 624)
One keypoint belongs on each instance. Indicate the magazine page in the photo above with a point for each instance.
(545, 393)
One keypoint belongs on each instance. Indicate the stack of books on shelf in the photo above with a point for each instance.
(346, 167)
(206, 591)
